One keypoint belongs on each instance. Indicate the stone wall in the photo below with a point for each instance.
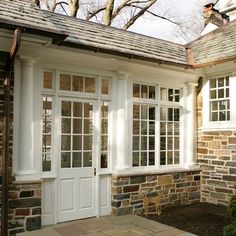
(128, 192)
(217, 157)
(24, 207)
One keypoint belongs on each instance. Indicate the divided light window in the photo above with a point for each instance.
(76, 121)
(47, 133)
(219, 99)
(47, 121)
(156, 120)
(77, 83)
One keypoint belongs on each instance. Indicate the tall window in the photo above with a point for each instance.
(150, 112)
(47, 133)
(47, 121)
(219, 99)
(104, 135)
(143, 135)
(169, 136)
(77, 120)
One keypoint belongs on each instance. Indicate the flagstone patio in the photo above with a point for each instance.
(131, 225)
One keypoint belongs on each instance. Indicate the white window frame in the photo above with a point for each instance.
(207, 124)
(157, 103)
(96, 97)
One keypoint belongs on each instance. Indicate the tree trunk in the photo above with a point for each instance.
(73, 7)
(108, 13)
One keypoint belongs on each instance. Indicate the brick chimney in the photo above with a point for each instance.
(211, 15)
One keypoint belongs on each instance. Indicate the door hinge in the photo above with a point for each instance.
(94, 171)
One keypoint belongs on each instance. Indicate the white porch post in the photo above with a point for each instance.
(121, 138)
(191, 124)
(25, 159)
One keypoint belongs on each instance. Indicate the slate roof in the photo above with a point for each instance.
(216, 46)
(89, 35)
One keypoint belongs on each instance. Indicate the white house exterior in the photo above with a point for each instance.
(104, 118)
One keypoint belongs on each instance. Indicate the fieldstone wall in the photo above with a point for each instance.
(217, 157)
(24, 207)
(128, 192)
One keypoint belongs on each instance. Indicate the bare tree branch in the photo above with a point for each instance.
(119, 8)
(156, 15)
(140, 13)
(63, 8)
(92, 14)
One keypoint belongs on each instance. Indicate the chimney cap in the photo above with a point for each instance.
(209, 5)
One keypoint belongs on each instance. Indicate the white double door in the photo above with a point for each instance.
(77, 173)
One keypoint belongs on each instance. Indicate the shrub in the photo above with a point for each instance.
(232, 208)
(230, 230)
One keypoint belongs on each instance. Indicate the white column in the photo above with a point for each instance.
(25, 158)
(122, 139)
(190, 132)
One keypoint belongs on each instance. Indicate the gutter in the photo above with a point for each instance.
(124, 54)
(6, 130)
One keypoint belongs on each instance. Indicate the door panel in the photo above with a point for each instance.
(76, 171)
(86, 186)
(68, 194)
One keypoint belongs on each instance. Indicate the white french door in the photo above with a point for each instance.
(76, 188)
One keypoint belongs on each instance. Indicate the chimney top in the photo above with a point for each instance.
(214, 16)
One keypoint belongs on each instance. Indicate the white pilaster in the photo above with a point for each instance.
(122, 140)
(190, 134)
(25, 165)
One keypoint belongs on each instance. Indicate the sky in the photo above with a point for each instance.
(159, 28)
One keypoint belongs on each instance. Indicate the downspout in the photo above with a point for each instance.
(6, 128)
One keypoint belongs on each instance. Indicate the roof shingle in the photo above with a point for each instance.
(217, 45)
(91, 35)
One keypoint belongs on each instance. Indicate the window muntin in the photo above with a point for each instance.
(219, 99)
(77, 83)
(76, 134)
(169, 135)
(144, 91)
(76, 138)
(156, 124)
(170, 95)
(104, 135)
(48, 80)
(143, 135)
(47, 134)
(105, 86)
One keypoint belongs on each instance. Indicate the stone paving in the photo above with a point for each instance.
(131, 225)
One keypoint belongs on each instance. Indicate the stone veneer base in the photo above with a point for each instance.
(24, 207)
(172, 189)
(217, 158)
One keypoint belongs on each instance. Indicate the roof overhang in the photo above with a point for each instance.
(214, 63)
(57, 36)
(122, 54)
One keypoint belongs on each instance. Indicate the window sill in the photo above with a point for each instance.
(218, 126)
(163, 170)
